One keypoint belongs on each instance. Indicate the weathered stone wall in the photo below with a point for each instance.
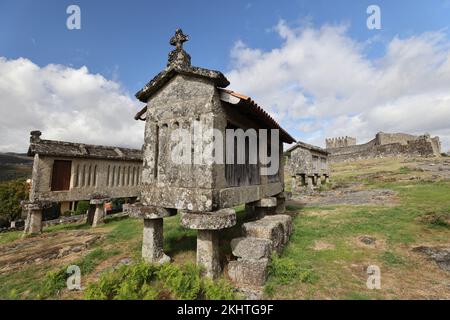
(389, 138)
(308, 162)
(117, 179)
(340, 142)
(185, 102)
(420, 146)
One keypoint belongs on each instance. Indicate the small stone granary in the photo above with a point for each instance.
(66, 172)
(182, 98)
(307, 165)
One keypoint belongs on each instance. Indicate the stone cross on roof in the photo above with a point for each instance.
(178, 39)
(178, 57)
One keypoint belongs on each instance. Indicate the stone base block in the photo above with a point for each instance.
(217, 220)
(251, 248)
(286, 222)
(281, 203)
(266, 202)
(266, 229)
(248, 272)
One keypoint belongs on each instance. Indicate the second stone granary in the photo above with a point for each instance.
(185, 97)
(307, 165)
(67, 172)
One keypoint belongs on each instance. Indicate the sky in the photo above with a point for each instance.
(315, 66)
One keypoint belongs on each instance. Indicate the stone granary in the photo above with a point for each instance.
(66, 172)
(178, 100)
(307, 165)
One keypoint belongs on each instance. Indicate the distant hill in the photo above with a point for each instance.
(15, 166)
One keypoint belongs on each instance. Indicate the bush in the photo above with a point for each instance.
(148, 282)
(11, 194)
(82, 207)
(53, 282)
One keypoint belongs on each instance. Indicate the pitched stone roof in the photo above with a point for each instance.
(55, 148)
(307, 146)
(164, 76)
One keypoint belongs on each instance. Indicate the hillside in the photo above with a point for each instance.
(14, 166)
(389, 213)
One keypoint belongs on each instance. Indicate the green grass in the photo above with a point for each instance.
(397, 226)
(301, 272)
(7, 237)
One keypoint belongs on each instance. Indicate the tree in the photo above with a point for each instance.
(11, 194)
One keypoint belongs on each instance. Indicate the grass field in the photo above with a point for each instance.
(324, 259)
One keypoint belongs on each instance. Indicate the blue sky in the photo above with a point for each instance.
(127, 41)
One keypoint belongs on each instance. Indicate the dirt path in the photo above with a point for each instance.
(45, 247)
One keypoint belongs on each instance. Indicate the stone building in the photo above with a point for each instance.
(66, 172)
(307, 165)
(384, 145)
(178, 100)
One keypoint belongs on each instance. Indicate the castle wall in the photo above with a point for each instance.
(420, 147)
(388, 138)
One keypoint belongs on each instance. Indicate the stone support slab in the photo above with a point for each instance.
(208, 254)
(33, 223)
(153, 233)
(310, 183)
(208, 226)
(281, 203)
(99, 213)
(152, 242)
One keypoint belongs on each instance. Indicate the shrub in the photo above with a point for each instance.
(183, 283)
(147, 281)
(219, 290)
(82, 207)
(11, 193)
(53, 282)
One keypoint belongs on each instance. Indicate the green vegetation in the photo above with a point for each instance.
(324, 259)
(149, 282)
(11, 193)
(54, 281)
(82, 207)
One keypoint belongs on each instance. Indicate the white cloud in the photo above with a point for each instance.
(320, 83)
(65, 104)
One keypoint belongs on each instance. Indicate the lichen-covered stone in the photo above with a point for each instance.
(286, 222)
(141, 211)
(208, 254)
(266, 202)
(248, 272)
(251, 248)
(152, 243)
(266, 229)
(221, 219)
